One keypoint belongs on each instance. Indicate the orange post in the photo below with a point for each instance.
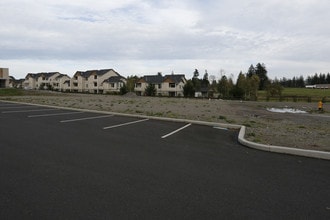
(320, 105)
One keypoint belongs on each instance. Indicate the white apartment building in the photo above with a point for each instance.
(40, 80)
(97, 81)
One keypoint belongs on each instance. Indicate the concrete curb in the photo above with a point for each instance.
(280, 149)
(241, 135)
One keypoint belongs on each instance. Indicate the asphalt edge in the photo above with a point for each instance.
(241, 135)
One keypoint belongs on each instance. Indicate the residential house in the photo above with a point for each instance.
(4, 78)
(168, 85)
(40, 80)
(96, 81)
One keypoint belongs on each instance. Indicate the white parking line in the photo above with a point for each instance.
(128, 123)
(34, 110)
(173, 132)
(47, 115)
(82, 119)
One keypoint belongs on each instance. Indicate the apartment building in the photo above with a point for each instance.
(40, 80)
(97, 81)
(168, 85)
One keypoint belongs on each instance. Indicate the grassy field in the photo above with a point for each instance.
(11, 92)
(299, 95)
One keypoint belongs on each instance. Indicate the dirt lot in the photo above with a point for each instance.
(308, 131)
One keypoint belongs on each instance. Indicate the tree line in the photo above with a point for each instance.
(246, 86)
(249, 83)
(301, 82)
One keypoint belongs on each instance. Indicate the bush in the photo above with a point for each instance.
(150, 90)
(123, 90)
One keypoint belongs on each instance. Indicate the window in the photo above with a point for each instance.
(159, 86)
(95, 76)
(95, 84)
(172, 85)
(138, 85)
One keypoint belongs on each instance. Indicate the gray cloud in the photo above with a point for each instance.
(141, 36)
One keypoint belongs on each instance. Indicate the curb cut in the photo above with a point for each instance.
(241, 135)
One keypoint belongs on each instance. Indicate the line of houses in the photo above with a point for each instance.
(104, 81)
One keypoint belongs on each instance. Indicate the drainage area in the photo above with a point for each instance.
(286, 110)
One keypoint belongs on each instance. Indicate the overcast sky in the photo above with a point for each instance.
(138, 37)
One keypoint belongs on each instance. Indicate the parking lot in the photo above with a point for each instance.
(70, 164)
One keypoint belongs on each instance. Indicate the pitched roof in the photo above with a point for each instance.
(177, 78)
(88, 73)
(37, 75)
(157, 79)
(154, 79)
(114, 79)
(60, 76)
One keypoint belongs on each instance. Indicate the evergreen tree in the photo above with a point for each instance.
(196, 81)
(301, 82)
(188, 89)
(251, 71)
(205, 81)
(123, 90)
(261, 72)
(150, 90)
(196, 74)
(328, 78)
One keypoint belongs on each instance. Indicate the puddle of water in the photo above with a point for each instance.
(286, 110)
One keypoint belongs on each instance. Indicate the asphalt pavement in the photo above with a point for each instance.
(62, 164)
